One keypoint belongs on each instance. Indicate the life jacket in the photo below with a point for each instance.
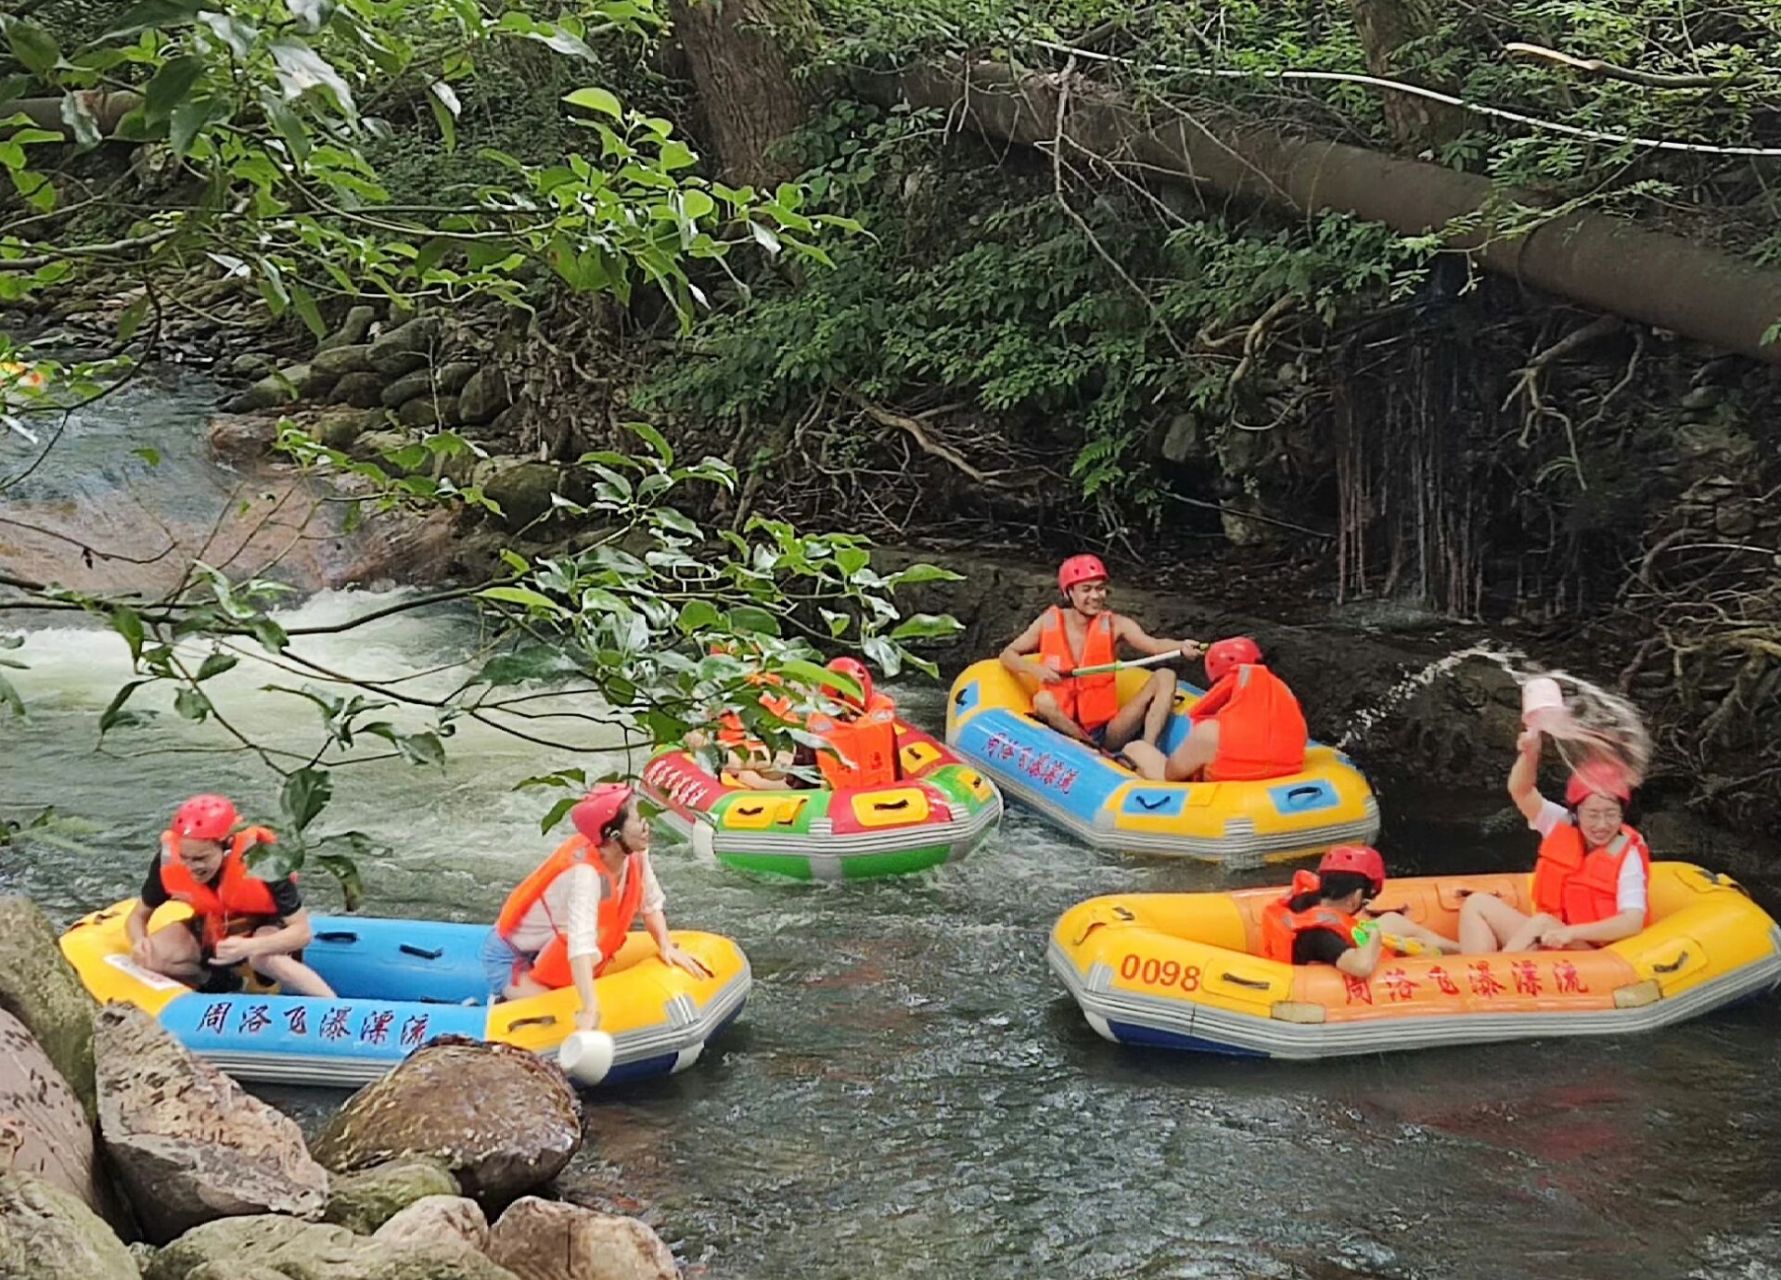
(237, 902)
(618, 908)
(865, 747)
(1281, 925)
(732, 733)
(1582, 886)
(1091, 701)
(1261, 730)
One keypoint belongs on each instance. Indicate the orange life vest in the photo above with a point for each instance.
(1091, 701)
(1582, 886)
(1261, 730)
(865, 753)
(1281, 925)
(730, 730)
(618, 908)
(238, 902)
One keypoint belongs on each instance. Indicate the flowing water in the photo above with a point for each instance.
(910, 1094)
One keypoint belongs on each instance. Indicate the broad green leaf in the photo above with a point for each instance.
(520, 596)
(35, 48)
(191, 704)
(421, 748)
(444, 103)
(232, 31)
(216, 664)
(698, 615)
(656, 440)
(304, 305)
(313, 14)
(926, 626)
(594, 98)
(274, 861)
(114, 714)
(126, 622)
(301, 69)
(155, 14)
(916, 574)
(304, 795)
(344, 870)
(191, 118)
(558, 812)
(753, 618)
(170, 86)
(130, 318)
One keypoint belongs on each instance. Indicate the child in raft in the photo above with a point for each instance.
(1317, 920)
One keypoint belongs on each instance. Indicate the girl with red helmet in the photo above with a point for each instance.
(566, 920)
(238, 922)
(1318, 919)
(1082, 631)
(1592, 878)
(1247, 728)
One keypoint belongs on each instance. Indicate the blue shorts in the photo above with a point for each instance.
(501, 961)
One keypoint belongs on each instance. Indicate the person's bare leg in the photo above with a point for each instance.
(1402, 926)
(523, 986)
(1485, 922)
(1199, 749)
(174, 953)
(1046, 708)
(1527, 938)
(1149, 762)
(1161, 687)
(294, 978)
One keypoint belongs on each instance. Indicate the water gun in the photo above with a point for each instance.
(1364, 932)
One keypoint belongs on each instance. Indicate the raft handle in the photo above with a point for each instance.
(750, 810)
(1253, 983)
(1680, 960)
(542, 1020)
(889, 805)
(1144, 801)
(337, 935)
(409, 949)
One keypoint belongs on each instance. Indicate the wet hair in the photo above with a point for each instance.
(1339, 884)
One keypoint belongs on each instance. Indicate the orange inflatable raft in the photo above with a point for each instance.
(1183, 971)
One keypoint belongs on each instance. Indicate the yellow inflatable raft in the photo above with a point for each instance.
(1181, 971)
(402, 982)
(1104, 803)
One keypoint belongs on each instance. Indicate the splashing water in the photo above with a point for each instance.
(1364, 721)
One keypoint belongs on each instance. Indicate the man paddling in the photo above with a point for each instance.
(1081, 631)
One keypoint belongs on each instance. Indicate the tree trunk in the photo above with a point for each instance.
(739, 53)
(1386, 27)
(1601, 261)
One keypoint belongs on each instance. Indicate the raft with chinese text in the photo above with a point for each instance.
(399, 983)
(937, 811)
(1105, 803)
(1181, 971)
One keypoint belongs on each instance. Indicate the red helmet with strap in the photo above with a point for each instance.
(1235, 651)
(856, 671)
(1597, 778)
(1360, 859)
(205, 817)
(1079, 569)
(596, 812)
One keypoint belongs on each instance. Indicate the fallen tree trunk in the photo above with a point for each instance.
(108, 108)
(1597, 260)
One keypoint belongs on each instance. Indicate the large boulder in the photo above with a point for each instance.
(40, 1118)
(360, 390)
(545, 1240)
(454, 375)
(423, 413)
(186, 1141)
(406, 347)
(336, 362)
(275, 390)
(502, 1119)
(436, 1218)
(407, 387)
(48, 1234)
(353, 329)
(294, 1250)
(364, 1201)
(484, 395)
(242, 437)
(41, 990)
(522, 490)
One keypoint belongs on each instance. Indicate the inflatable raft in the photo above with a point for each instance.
(1180, 971)
(1105, 803)
(940, 810)
(402, 982)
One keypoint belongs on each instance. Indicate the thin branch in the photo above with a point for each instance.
(1608, 70)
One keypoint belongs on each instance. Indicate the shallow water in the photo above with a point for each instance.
(910, 1094)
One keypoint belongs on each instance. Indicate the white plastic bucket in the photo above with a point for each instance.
(586, 1057)
(1542, 704)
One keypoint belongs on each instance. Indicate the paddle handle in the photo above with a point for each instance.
(1104, 667)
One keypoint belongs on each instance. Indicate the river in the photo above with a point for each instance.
(909, 1093)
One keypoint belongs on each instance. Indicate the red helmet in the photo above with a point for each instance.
(1361, 859)
(205, 817)
(1233, 652)
(593, 814)
(1079, 569)
(1597, 778)
(856, 671)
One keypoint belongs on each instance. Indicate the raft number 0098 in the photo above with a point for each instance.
(1153, 972)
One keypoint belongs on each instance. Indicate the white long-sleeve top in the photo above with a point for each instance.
(573, 902)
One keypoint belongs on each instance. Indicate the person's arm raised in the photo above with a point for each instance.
(1136, 637)
(1524, 774)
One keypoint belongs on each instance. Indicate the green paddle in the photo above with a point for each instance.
(1104, 667)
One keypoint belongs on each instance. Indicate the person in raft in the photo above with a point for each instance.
(1081, 631)
(1592, 879)
(1315, 921)
(863, 737)
(566, 920)
(239, 922)
(1248, 726)
(747, 758)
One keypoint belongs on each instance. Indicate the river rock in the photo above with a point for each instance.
(251, 365)
(188, 1143)
(275, 390)
(352, 331)
(502, 1119)
(242, 437)
(437, 1218)
(340, 427)
(360, 390)
(337, 362)
(406, 347)
(46, 1233)
(364, 1201)
(522, 489)
(545, 1240)
(426, 412)
(41, 990)
(408, 387)
(484, 395)
(454, 375)
(294, 1250)
(41, 1121)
